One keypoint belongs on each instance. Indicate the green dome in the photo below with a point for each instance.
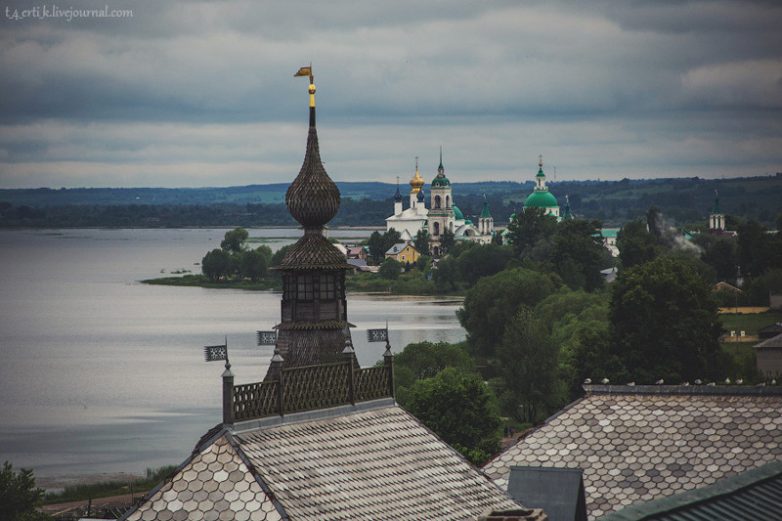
(485, 213)
(457, 213)
(440, 181)
(541, 199)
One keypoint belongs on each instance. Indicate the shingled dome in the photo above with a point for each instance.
(312, 198)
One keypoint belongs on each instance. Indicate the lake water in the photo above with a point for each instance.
(103, 374)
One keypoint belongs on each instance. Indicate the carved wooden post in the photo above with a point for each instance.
(388, 360)
(349, 354)
(275, 368)
(228, 395)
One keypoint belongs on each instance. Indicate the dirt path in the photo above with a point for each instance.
(122, 501)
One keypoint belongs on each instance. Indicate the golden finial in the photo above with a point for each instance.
(307, 71)
(417, 182)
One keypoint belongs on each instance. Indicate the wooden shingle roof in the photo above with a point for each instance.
(638, 443)
(371, 462)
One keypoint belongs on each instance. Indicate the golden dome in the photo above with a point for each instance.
(417, 182)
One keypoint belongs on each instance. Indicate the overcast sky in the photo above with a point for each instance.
(203, 94)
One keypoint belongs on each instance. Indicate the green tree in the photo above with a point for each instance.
(529, 227)
(421, 241)
(446, 276)
(759, 288)
(752, 248)
(447, 242)
(460, 408)
(233, 241)
(253, 264)
(390, 269)
(425, 359)
(482, 261)
(578, 322)
(19, 496)
(636, 245)
(528, 364)
(491, 304)
(664, 322)
(721, 254)
(216, 264)
(379, 244)
(578, 254)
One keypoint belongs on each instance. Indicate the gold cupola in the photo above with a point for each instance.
(417, 182)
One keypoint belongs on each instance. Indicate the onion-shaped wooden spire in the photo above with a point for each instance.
(312, 198)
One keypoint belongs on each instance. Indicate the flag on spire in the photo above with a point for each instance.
(304, 71)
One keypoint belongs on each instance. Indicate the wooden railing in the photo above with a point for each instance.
(306, 388)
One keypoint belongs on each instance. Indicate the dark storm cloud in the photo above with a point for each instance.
(188, 93)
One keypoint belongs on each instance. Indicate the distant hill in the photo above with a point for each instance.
(684, 201)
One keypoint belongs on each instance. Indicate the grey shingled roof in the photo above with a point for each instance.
(773, 342)
(644, 442)
(755, 494)
(376, 462)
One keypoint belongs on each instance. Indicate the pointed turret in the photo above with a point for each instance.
(566, 212)
(716, 217)
(485, 221)
(397, 199)
(313, 198)
(485, 213)
(314, 309)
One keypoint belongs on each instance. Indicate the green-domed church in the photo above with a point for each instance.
(541, 197)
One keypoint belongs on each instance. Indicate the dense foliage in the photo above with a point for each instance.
(19, 496)
(233, 260)
(439, 385)
(664, 323)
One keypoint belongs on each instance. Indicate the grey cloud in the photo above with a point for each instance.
(612, 89)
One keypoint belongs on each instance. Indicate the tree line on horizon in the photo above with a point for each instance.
(684, 201)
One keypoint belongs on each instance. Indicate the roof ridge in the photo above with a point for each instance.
(692, 390)
(338, 411)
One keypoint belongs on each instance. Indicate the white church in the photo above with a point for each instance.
(442, 215)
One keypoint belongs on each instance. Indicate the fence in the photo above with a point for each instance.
(306, 388)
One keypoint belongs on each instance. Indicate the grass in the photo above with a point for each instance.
(109, 488)
(750, 323)
(410, 283)
(201, 281)
(741, 357)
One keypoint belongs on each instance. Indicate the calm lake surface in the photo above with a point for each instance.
(103, 374)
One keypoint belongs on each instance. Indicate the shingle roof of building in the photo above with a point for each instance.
(396, 248)
(313, 252)
(755, 494)
(375, 461)
(770, 330)
(774, 341)
(643, 442)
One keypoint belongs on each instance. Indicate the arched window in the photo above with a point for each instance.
(447, 201)
(436, 251)
(436, 229)
(437, 201)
